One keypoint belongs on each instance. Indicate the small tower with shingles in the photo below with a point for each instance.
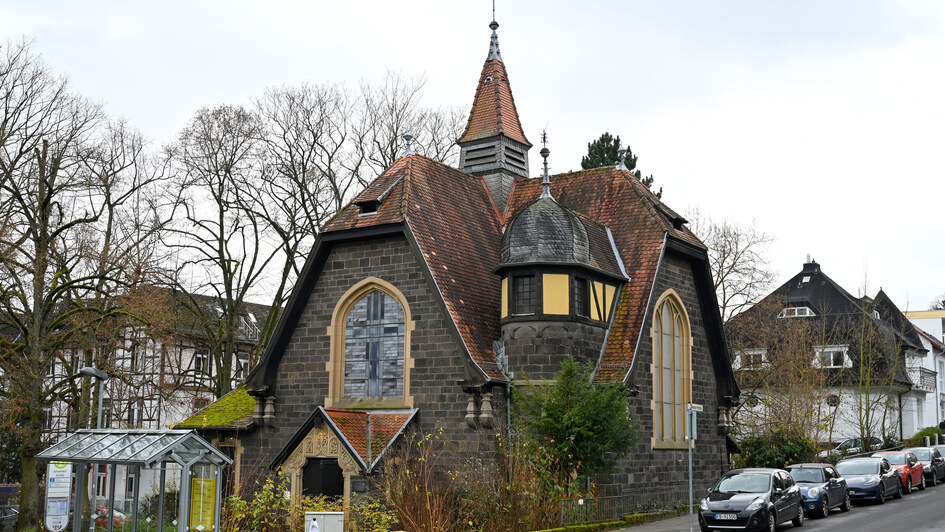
(494, 145)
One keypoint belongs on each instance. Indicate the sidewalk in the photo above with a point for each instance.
(675, 524)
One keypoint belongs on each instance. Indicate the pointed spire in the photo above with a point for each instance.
(494, 54)
(545, 177)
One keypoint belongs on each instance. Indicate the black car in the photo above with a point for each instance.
(934, 470)
(822, 488)
(752, 499)
(871, 478)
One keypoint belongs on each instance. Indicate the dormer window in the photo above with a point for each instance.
(368, 208)
(752, 359)
(796, 312)
(832, 356)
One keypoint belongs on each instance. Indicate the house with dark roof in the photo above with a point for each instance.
(850, 366)
(437, 289)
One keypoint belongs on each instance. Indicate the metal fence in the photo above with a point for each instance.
(650, 499)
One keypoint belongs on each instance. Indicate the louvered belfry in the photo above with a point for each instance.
(493, 145)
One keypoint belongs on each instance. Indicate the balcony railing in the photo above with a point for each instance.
(923, 379)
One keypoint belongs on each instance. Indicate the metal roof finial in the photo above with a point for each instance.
(622, 154)
(408, 148)
(545, 178)
(494, 43)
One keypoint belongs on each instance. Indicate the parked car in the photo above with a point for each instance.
(118, 518)
(752, 499)
(934, 463)
(911, 469)
(851, 446)
(871, 478)
(822, 488)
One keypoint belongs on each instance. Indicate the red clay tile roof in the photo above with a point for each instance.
(458, 231)
(618, 200)
(493, 111)
(386, 425)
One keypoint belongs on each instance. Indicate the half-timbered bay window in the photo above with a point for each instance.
(374, 347)
(370, 360)
(672, 380)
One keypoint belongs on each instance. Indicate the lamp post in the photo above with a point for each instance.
(102, 377)
(80, 514)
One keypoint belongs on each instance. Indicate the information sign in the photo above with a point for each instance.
(58, 495)
(203, 493)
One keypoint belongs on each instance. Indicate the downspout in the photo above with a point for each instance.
(900, 417)
(369, 461)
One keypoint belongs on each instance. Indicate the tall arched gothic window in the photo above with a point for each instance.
(374, 347)
(672, 372)
(370, 362)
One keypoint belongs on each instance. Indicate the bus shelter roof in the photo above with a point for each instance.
(134, 447)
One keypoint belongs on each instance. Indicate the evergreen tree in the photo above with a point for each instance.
(603, 152)
(583, 427)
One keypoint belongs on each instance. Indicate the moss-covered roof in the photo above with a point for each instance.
(232, 411)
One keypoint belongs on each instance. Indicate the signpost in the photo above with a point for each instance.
(691, 410)
(58, 495)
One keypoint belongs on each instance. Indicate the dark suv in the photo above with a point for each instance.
(752, 499)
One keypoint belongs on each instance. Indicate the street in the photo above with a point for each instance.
(922, 511)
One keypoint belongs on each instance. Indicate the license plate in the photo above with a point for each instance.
(725, 517)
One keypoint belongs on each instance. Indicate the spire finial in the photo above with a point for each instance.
(408, 146)
(494, 43)
(622, 154)
(545, 178)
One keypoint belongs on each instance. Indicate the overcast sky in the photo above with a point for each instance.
(820, 122)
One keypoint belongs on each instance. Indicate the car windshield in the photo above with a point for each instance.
(922, 454)
(896, 458)
(744, 483)
(807, 474)
(858, 467)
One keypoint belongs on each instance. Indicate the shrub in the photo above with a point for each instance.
(919, 438)
(775, 448)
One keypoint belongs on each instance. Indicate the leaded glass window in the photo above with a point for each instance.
(524, 294)
(670, 367)
(374, 347)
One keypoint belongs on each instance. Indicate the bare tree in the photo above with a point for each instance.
(938, 303)
(737, 259)
(67, 177)
(388, 111)
(221, 250)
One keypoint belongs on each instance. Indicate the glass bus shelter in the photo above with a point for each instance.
(175, 452)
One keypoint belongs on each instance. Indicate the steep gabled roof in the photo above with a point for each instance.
(640, 224)
(453, 222)
(493, 112)
(367, 435)
(901, 325)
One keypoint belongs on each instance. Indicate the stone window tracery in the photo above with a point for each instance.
(672, 373)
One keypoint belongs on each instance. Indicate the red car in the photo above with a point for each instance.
(909, 467)
(119, 519)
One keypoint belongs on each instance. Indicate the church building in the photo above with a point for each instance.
(438, 288)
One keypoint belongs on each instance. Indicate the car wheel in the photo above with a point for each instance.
(922, 484)
(881, 494)
(908, 489)
(898, 490)
(847, 504)
(824, 510)
(934, 480)
(772, 522)
(799, 518)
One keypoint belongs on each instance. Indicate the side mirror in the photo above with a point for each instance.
(832, 481)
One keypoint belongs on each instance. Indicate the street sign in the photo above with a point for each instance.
(694, 407)
(58, 495)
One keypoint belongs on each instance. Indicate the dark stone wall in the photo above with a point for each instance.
(302, 381)
(669, 467)
(536, 349)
